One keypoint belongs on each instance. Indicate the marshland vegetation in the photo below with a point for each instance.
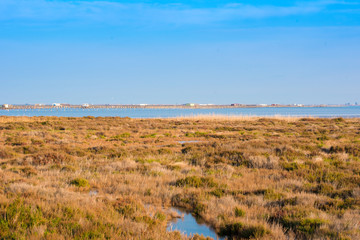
(117, 178)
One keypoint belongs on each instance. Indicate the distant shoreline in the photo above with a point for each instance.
(127, 106)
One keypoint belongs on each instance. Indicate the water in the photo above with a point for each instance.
(189, 225)
(191, 141)
(93, 193)
(348, 111)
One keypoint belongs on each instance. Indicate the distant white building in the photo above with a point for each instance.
(5, 106)
(56, 104)
(262, 105)
(85, 105)
(190, 104)
(142, 104)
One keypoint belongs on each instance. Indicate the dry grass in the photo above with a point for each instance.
(247, 177)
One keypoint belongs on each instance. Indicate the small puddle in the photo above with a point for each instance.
(193, 141)
(93, 193)
(189, 225)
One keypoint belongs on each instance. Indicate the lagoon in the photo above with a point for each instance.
(326, 112)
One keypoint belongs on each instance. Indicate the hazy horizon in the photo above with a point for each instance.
(156, 52)
(183, 103)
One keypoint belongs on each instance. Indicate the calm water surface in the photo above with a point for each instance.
(353, 111)
(189, 225)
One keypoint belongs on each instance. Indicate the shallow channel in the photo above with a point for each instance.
(191, 141)
(190, 225)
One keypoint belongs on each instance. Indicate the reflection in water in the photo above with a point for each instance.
(189, 225)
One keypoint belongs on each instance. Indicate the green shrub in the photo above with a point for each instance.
(339, 119)
(218, 192)
(239, 212)
(121, 136)
(323, 138)
(153, 135)
(165, 151)
(290, 201)
(326, 205)
(148, 192)
(296, 219)
(195, 134)
(290, 166)
(234, 158)
(128, 207)
(146, 219)
(348, 203)
(270, 194)
(308, 226)
(17, 218)
(80, 182)
(324, 188)
(199, 208)
(127, 210)
(125, 135)
(239, 230)
(195, 181)
(160, 216)
(190, 201)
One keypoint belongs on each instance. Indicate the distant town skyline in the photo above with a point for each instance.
(192, 104)
(154, 52)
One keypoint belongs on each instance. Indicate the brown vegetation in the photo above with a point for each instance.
(96, 178)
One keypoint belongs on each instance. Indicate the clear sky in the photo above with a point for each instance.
(129, 52)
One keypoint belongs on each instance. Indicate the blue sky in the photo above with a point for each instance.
(179, 51)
